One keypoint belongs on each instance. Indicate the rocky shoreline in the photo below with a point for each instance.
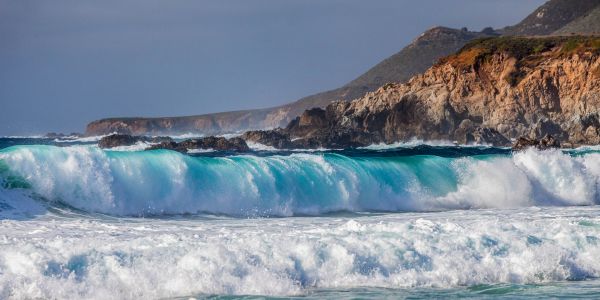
(275, 139)
(539, 92)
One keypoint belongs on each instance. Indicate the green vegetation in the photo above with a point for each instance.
(529, 51)
(521, 47)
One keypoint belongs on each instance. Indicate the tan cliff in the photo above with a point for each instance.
(491, 91)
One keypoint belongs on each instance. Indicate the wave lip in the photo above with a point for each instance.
(165, 182)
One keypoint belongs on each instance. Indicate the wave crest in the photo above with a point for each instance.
(165, 182)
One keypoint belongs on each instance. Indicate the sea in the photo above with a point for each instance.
(404, 221)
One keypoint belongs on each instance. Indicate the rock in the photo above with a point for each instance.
(215, 143)
(272, 138)
(547, 142)
(116, 140)
(490, 136)
(524, 143)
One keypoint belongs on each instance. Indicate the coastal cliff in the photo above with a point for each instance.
(491, 91)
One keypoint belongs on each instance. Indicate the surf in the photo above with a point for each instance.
(154, 183)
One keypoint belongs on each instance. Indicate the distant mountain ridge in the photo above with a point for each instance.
(554, 17)
(586, 24)
(551, 17)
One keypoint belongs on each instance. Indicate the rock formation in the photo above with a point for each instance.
(211, 142)
(492, 91)
(117, 140)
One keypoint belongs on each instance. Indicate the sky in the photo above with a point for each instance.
(64, 63)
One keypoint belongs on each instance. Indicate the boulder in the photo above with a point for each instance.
(116, 140)
(272, 138)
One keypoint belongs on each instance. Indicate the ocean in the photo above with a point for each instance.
(408, 220)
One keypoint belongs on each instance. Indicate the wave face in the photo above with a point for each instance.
(165, 182)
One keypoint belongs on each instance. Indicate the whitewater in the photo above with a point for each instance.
(405, 221)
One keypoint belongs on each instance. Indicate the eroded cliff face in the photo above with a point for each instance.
(490, 92)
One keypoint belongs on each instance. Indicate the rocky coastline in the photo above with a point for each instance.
(541, 92)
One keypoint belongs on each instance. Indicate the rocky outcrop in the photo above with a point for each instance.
(117, 140)
(546, 142)
(214, 143)
(492, 91)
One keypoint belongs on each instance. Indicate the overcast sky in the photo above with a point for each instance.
(64, 63)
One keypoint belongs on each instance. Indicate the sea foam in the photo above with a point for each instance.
(149, 258)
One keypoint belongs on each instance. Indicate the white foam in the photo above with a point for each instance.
(260, 147)
(95, 259)
(418, 142)
(194, 151)
(139, 146)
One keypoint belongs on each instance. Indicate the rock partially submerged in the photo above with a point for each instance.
(547, 142)
(215, 143)
(273, 138)
(117, 140)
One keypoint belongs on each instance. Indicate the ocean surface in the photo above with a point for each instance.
(387, 221)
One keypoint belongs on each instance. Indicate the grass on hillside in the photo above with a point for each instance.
(524, 49)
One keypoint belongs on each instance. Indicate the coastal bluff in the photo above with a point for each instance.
(492, 91)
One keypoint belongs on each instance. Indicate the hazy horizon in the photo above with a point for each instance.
(65, 63)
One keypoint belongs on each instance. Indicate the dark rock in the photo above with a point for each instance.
(485, 135)
(547, 142)
(116, 140)
(272, 138)
(215, 143)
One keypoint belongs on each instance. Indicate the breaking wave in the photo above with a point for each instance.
(165, 182)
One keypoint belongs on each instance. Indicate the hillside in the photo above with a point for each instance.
(552, 16)
(492, 91)
(587, 24)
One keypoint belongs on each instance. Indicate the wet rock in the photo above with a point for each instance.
(485, 135)
(211, 142)
(272, 138)
(117, 140)
(547, 142)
